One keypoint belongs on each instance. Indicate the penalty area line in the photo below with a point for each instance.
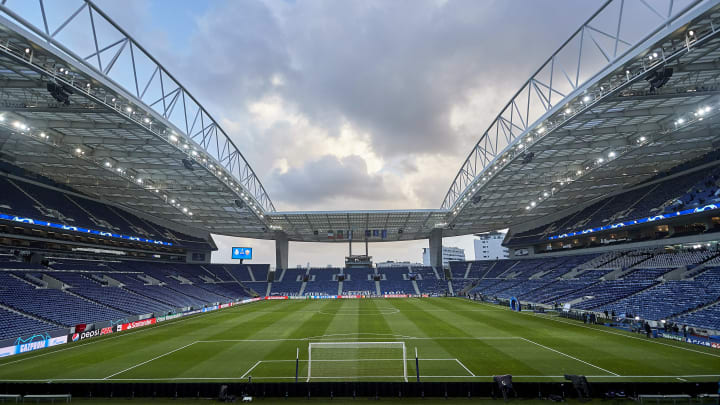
(569, 356)
(466, 369)
(251, 369)
(148, 361)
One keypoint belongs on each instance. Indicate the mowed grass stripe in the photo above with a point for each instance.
(568, 355)
(439, 327)
(318, 324)
(224, 359)
(618, 351)
(99, 357)
(482, 356)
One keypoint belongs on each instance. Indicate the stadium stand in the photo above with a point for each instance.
(697, 186)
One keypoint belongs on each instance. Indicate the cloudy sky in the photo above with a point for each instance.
(351, 104)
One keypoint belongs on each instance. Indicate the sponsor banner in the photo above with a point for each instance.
(136, 324)
(353, 296)
(76, 337)
(691, 339)
(395, 296)
(38, 222)
(7, 351)
(297, 297)
(228, 305)
(322, 297)
(617, 225)
(39, 344)
(276, 297)
(249, 300)
(208, 309)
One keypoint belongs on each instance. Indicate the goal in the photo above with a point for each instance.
(356, 360)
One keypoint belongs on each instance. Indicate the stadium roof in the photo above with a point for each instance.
(584, 125)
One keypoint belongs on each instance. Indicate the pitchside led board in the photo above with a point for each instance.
(242, 253)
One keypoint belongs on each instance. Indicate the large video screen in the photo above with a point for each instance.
(242, 253)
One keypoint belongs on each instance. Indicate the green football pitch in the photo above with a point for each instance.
(366, 340)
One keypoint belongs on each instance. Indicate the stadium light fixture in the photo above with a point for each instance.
(568, 110)
(147, 120)
(128, 110)
(680, 121)
(108, 164)
(541, 130)
(600, 160)
(691, 33)
(139, 181)
(190, 213)
(172, 201)
(532, 203)
(611, 155)
(586, 99)
(637, 318)
(173, 138)
(185, 209)
(545, 194)
(527, 207)
(27, 50)
(642, 139)
(579, 172)
(2, 118)
(655, 55)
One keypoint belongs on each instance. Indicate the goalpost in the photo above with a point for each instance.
(357, 359)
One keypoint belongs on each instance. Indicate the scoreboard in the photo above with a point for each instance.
(242, 253)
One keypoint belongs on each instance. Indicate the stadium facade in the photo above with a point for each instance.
(603, 167)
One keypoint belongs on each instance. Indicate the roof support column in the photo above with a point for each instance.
(281, 250)
(436, 248)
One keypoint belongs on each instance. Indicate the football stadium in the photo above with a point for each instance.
(601, 175)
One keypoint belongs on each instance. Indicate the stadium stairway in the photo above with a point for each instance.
(340, 288)
(437, 275)
(377, 288)
(31, 316)
(415, 286)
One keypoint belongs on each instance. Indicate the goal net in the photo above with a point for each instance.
(345, 360)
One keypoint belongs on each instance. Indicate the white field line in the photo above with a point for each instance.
(463, 366)
(422, 376)
(355, 339)
(601, 329)
(119, 335)
(148, 361)
(351, 360)
(572, 357)
(251, 369)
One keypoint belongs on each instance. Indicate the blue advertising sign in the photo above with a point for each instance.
(242, 253)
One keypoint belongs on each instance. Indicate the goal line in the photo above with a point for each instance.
(361, 359)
